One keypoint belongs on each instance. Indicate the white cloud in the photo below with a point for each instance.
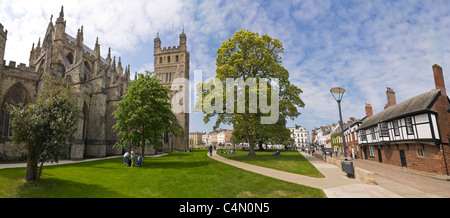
(121, 25)
(363, 46)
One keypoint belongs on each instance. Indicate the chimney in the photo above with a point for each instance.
(390, 98)
(439, 79)
(350, 121)
(369, 111)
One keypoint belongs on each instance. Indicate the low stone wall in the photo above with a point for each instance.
(361, 174)
(365, 176)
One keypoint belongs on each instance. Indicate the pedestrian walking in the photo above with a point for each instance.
(210, 150)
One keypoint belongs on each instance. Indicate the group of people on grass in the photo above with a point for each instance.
(130, 159)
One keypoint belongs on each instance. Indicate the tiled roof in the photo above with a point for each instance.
(415, 104)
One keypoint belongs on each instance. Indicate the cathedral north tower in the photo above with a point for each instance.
(172, 63)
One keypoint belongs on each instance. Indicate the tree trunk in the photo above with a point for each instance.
(143, 150)
(251, 141)
(251, 146)
(32, 168)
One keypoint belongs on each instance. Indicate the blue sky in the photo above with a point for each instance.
(362, 46)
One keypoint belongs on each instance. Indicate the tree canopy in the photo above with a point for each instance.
(47, 126)
(144, 114)
(264, 94)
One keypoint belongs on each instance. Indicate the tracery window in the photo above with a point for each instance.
(17, 95)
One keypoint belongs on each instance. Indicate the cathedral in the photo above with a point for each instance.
(98, 85)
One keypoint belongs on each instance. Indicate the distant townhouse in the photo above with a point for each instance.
(327, 135)
(212, 138)
(205, 138)
(413, 134)
(300, 136)
(221, 137)
(313, 135)
(228, 134)
(195, 138)
(318, 139)
(323, 136)
(351, 136)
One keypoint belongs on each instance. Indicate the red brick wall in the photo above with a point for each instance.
(432, 160)
(441, 106)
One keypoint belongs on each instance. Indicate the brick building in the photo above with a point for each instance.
(351, 136)
(413, 134)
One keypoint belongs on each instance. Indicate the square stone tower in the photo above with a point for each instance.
(172, 63)
(3, 34)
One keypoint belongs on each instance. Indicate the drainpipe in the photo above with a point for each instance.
(443, 153)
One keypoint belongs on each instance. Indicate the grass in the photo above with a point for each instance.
(289, 161)
(195, 176)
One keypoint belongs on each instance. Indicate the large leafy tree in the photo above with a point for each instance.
(247, 55)
(46, 127)
(144, 114)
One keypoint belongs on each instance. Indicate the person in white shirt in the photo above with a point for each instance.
(125, 158)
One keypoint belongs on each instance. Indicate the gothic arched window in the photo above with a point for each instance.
(16, 95)
(69, 58)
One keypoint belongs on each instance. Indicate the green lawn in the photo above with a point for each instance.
(195, 176)
(289, 161)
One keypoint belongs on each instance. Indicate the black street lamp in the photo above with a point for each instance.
(338, 94)
(347, 166)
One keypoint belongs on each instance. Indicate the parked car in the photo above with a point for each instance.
(327, 152)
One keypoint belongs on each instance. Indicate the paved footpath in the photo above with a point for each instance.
(17, 165)
(335, 184)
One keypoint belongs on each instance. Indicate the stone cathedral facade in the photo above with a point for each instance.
(172, 63)
(98, 85)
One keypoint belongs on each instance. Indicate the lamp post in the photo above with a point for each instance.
(347, 166)
(338, 94)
